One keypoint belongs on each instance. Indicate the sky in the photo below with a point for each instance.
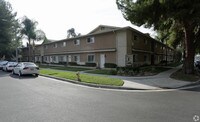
(55, 17)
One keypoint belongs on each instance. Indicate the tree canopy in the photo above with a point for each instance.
(30, 32)
(71, 33)
(172, 16)
(9, 30)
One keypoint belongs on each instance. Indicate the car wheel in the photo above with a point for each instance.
(20, 73)
(36, 75)
(13, 72)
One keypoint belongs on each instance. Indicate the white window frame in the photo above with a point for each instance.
(61, 58)
(88, 58)
(54, 58)
(46, 58)
(55, 45)
(77, 42)
(90, 40)
(76, 57)
(64, 44)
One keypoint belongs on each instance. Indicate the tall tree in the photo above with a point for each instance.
(31, 34)
(71, 33)
(9, 30)
(155, 13)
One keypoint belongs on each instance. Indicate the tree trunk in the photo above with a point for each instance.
(33, 50)
(29, 49)
(189, 50)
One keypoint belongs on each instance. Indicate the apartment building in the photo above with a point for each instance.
(105, 44)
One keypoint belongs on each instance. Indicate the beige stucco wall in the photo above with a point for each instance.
(102, 41)
(121, 39)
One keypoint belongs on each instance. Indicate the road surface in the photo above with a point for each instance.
(43, 99)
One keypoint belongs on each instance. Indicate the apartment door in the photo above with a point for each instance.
(102, 60)
(69, 58)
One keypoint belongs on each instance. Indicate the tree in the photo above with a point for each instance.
(156, 13)
(31, 34)
(71, 33)
(9, 30)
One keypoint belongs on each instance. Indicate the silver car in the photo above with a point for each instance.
(9, 66)
(3, 63)
(25, 68)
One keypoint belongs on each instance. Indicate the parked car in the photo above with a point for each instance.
(197, 64)
(9, 66)
(3, 63)
(25, 68)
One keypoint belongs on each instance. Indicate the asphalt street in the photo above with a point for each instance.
(43, 99)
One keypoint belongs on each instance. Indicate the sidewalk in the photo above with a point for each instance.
(159, 81)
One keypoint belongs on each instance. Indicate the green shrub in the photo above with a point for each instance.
(37, 62)
(90, 64)
(113, 72)
(128, 70)
(110, 65)
(62, 63)
(163, 62)
(72, 63)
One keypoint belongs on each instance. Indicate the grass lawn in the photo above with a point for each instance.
(75, 69)
(179, 75)
(83, 77)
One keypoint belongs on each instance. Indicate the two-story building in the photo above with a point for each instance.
(105, 44)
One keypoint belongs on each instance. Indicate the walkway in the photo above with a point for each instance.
(161, 80)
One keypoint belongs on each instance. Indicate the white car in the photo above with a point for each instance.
(25, 68)
(9, 66)
(3, 63)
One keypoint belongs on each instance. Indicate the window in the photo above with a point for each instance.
(77, 42)
(145, 58)
(135, 37)
(156, 45)
(55, 45)
(64, 44)
(38, 58)
(61, 58)
(91, 58)
(54, 58)
(46, 47)
(102, 28)
(45, 58)
(90, 40)
(134, 58)
(77, 58)
(145, 41)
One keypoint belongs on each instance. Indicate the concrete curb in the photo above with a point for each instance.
(188, 85)
(93, 85)
(116, 87)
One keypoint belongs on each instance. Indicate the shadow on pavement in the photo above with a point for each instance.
(4, 74)
(23, 77)
(195, 89)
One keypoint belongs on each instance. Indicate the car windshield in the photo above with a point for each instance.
(4, 62)
(29, 64)
(12, 63)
